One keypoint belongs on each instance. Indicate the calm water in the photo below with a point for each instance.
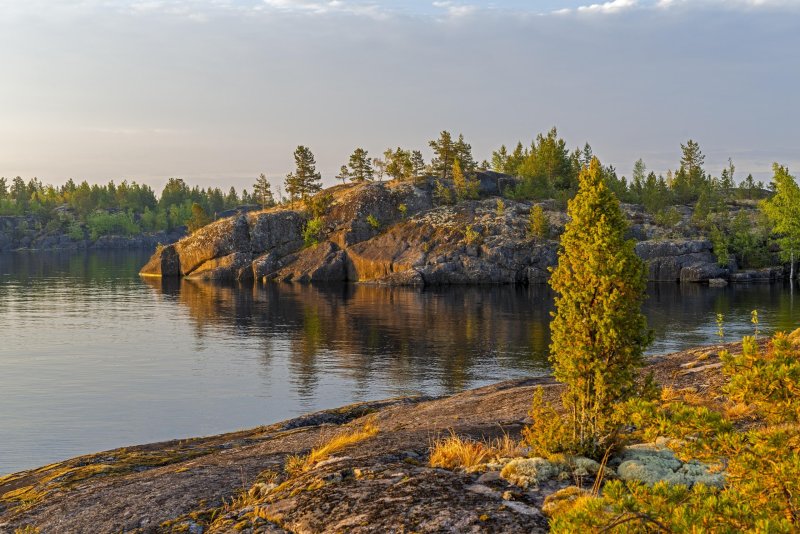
(92, 357)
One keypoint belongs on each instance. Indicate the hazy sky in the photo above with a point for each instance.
(216, 91)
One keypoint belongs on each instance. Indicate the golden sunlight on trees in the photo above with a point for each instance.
(598, 330)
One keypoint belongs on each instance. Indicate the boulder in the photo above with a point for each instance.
(529, 472)
(324, 262)
(684, 260)
(280, 232)
(767, 274)
(651, 463)
(233, 267)
(216, 240)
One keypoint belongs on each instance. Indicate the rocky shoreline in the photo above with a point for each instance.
(383, 483)
(396, 233)
(20, 233)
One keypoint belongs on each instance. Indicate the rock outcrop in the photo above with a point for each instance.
(683, 260)
(396, 233)
(386, 233)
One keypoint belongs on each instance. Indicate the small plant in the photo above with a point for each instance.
(471, 236)
(442, 194)
(403, 209)
(754, 320)
(668, 218)
(539, 224)
(501, 207)
(320, 204)
(720, 327)
(453, 451)
(299, 464)
(373, 221)
(313, 231)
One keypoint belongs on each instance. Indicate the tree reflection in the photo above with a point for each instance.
(446, 339)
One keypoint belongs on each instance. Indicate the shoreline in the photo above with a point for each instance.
(144, 487)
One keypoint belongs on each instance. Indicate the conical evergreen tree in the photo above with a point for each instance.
(598, 331)
(305, 180)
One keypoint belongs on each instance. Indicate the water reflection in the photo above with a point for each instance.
(404, 335)
(450, 337)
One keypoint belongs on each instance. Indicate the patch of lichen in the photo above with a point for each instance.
(21, 491)
(202, 516)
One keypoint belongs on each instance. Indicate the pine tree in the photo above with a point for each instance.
(305, 180)
(467, 186)
(783, 211)
(443, 155)
(262, 191)
(598, 331)
(398, 164)
(360, 166)
(417, 164)
(463, 153)
(198, 219)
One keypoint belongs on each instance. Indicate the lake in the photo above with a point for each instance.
(94, 357)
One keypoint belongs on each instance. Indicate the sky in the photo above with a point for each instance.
(218, 91)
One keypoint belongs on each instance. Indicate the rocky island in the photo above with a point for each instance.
(399, 233)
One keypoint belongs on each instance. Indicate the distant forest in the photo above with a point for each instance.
(545, 168)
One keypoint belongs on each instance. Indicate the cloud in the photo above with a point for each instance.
(614, 6)
(328, 6)
(454, 10)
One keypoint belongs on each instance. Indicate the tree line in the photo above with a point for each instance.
(545, 169)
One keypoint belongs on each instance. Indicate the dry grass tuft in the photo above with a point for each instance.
(508, 447)
(453, 451)
(298, 464)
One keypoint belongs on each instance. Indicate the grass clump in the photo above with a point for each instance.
(453, 451)
(298, 464)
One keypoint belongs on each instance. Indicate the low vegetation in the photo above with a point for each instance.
(299, 464)
(453, 451)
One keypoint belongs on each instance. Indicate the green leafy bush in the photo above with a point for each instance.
(312, 234)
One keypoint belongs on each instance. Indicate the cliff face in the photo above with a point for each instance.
(395, 233)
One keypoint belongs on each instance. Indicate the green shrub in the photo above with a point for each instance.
(668, 217)
(75, 231)
(373, 221)
(312, 234)
(471, 236)
(319, 205)
(762, 465)
(539, 223)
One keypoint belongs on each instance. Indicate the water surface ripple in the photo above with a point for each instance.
(93, 357)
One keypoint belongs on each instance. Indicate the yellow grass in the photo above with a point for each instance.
(454, 451)
(507, 447)
(298, 464)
